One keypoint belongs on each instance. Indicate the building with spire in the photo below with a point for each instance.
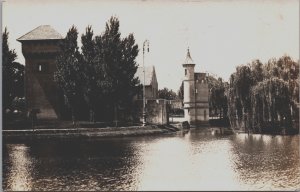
(195, 100)
(40, 48)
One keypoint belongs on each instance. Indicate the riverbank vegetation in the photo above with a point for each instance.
(13, 102)
(98, 83)
(263, 98)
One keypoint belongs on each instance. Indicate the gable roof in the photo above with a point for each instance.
(41, 33)
(149, 72)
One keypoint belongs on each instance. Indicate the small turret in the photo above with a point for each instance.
(195, 100)
(188, 66)
(188, 85)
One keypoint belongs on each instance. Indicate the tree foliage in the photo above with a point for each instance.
(8, 71)
(13, 74)
(180, 92)
(264, 97)
(116, 60)
(69, 74)
(92, 73)
(167, 94)
(217, 96)
(102, 73)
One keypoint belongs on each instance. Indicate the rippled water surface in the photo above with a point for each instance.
(192, 161)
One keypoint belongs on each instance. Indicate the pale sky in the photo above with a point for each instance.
(221, 34)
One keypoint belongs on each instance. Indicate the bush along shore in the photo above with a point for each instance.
(86, 132)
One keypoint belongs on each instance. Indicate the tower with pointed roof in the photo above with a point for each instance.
(40, 48)
(195, 99)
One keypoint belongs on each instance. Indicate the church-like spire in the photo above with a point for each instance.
(188, 59)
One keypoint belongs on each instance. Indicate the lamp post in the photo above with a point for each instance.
(145, 44)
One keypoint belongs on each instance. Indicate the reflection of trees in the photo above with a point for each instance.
(267, 160)
(84, 165)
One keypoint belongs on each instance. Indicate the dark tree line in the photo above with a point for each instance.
(99, 81)
(264, 97)
(12, 79)
(217, 97)
(167, 94)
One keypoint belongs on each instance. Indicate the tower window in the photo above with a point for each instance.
(42, 67)
(185, 71)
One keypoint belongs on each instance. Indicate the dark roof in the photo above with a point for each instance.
(149, 72)
(42, 32)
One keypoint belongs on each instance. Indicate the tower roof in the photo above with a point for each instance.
(43, 32)
(188, 59)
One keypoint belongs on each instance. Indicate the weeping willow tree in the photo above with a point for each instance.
(264, 97)
(271, 104)
(239, 101)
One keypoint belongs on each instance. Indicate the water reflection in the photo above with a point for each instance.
(178, 165)
(20, 169)
(193, 160)
(267, 162)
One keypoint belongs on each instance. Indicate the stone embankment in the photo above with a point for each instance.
(87, 132)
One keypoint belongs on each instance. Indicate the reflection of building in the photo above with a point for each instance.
(40, 47)
(196, 107)
(151, 85)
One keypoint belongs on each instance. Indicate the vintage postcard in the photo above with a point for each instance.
(150, 95)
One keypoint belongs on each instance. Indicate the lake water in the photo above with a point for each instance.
(195, 160)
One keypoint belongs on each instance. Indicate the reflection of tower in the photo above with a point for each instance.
(196, 107)
(40, 48)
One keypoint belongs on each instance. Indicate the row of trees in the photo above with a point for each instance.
(100, 78)
(217, 97)
(12, 79)
(264, 97)
(167, 94)
(98, 82)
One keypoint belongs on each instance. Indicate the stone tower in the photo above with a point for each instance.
(40, 48)
(196, 106)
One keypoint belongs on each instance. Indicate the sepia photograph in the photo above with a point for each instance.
(150, 95)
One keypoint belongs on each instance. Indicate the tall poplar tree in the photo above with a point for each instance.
(92, 89)
(116, 59)
(8, 58)
(69, 71)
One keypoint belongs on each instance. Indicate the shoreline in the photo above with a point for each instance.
(25, 135)
(108, 132)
